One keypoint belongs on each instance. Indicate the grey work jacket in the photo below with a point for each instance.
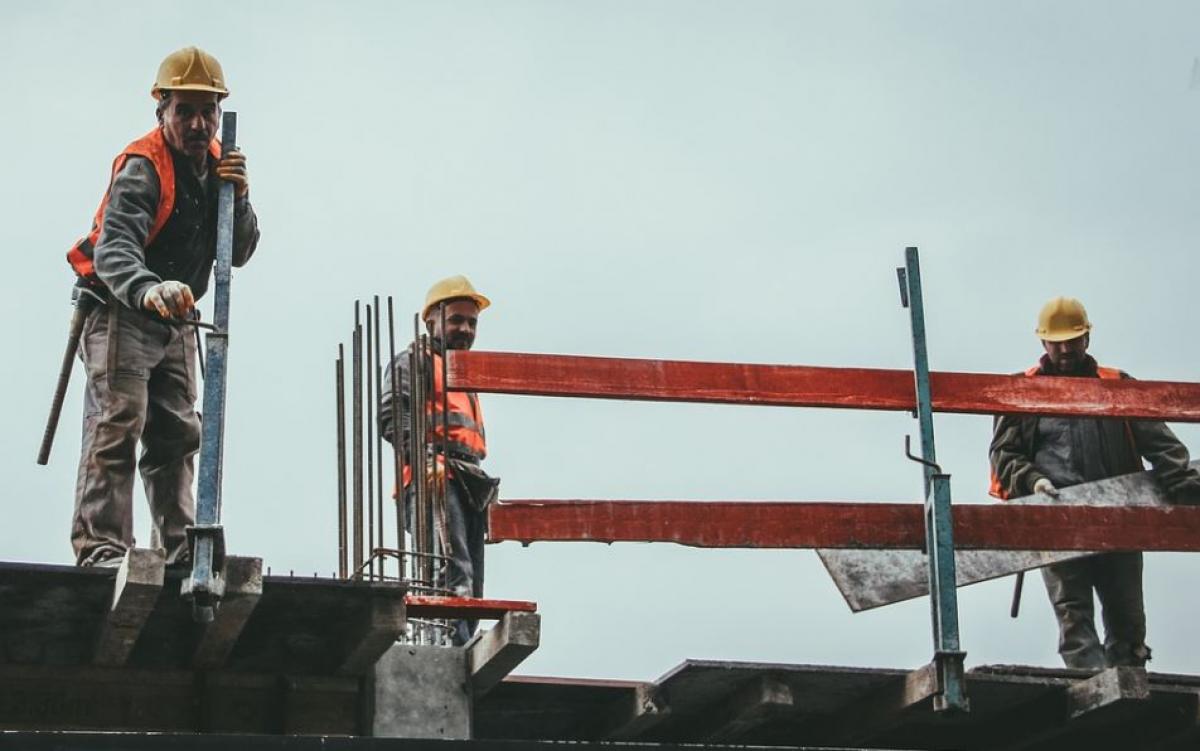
(1069, 451)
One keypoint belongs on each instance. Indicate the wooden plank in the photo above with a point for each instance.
(809, 386)
(425, 606)
(136, 587)
(496, 652)
(772, 524)
(243, 588)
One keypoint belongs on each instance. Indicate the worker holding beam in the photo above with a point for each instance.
(145, 262)
(1043, 454)
(455, 442)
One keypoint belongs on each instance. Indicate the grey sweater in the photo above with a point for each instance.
(185, 249)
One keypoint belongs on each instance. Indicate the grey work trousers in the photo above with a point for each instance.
(466, 529)
(141, 385)
(1117, 580)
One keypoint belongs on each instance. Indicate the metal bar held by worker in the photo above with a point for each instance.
(340, 388)
(206, 538)
(948, 655)
(84, 301)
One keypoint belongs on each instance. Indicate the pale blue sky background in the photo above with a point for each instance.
(704, 180)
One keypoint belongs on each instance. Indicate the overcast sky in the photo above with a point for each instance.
(729, 181)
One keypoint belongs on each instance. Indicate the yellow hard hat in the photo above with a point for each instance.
(1061, 319)
(453, 288)
(190, 69)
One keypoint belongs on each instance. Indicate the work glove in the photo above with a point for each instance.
(232, 167)
(171, 300)
(1045, 487)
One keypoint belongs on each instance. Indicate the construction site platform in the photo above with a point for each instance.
(704, 702)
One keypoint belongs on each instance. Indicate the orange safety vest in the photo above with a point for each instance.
(152, 146)
(467, 435)
(996, 490)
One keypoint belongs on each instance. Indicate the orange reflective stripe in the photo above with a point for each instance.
(465, 419)
(152, 146)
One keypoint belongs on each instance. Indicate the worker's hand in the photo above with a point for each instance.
(170, 300)
(434, 471)
(1045, 487)
(232, 167)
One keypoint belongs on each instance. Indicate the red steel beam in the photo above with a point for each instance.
(424, 606)
(723, 524)
(805, 386)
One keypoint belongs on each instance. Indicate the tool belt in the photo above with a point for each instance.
(481, 490)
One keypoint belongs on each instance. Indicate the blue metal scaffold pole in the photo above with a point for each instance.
(939, 535)
(206, 585)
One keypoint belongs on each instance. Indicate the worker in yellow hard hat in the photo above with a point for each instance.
(456, 442)
(148, 257)
(1044, 454)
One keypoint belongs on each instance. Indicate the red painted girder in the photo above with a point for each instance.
(805, 386)
(753, 524)
(425, 606)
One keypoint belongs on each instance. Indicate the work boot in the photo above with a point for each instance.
(104, 558)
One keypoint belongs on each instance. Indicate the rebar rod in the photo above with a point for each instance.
(378, 401)
(444, 479)
(417, 439)
(340, 388)
(370, 450)
(356, 420)
(397, 443)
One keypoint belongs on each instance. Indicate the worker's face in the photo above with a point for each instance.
(189, 122)
(462, 318)
(1067, 356)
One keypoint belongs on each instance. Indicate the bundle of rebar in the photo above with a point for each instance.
(418, 439)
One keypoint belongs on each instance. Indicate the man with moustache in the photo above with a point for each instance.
(1042, 454)
(147, 259)
(455, 304)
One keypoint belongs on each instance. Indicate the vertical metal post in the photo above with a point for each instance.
(377, 398)
(356, 427)
(370, 451)
(939, 539)
(417, 439)
(206, 538)
(340, 380)
(397, 440)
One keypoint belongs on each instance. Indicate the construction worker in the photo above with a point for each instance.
(451, 315)
(1031, 454)
(148, 258)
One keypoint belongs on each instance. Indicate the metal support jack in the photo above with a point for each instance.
(206, 538)
(948, 657)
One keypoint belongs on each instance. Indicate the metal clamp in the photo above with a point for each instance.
(205, 586)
